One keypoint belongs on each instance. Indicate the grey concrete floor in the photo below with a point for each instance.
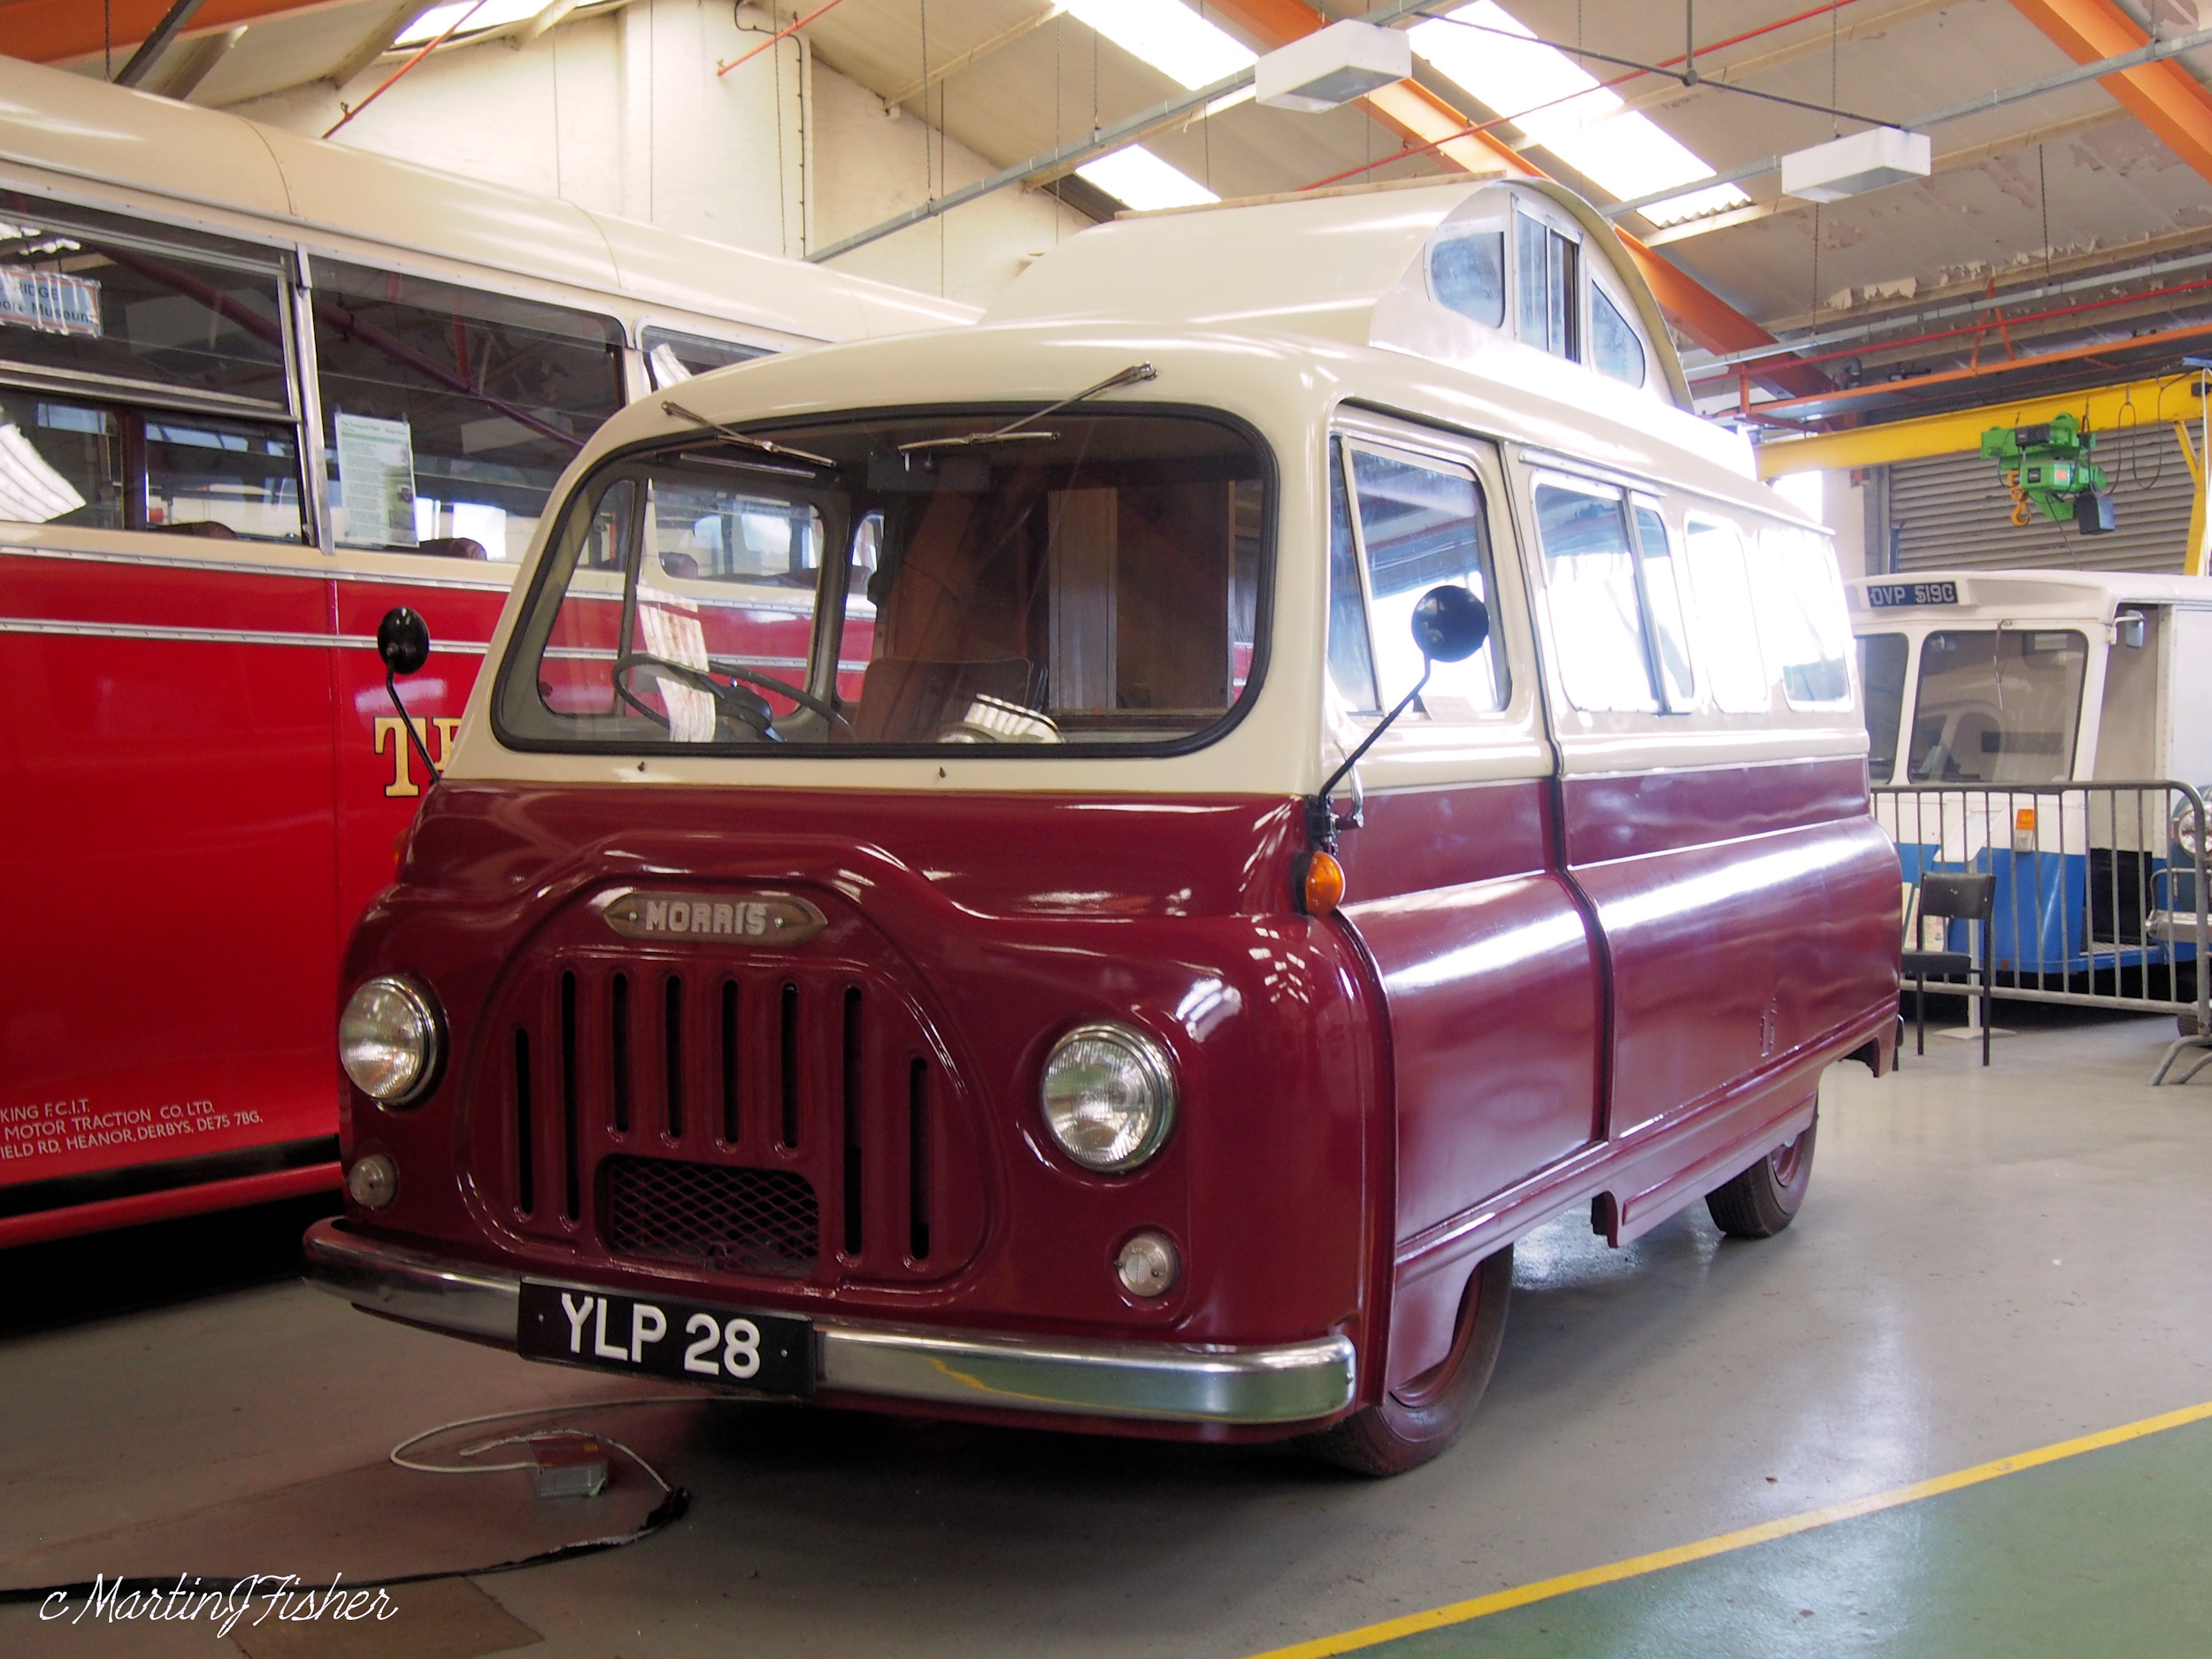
(1988, 1262)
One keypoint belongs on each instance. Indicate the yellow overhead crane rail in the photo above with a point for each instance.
(2173, 401)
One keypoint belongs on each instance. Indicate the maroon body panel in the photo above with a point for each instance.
(1742, 909)
(1370, 1101)
(959, 915)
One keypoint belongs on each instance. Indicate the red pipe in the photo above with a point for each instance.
(450, 29)
(723, 69)
(1501, 120)
(2013, 321)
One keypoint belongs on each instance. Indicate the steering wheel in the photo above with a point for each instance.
(805, 699)
(749, 709)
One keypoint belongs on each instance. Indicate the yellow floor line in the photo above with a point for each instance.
(1482, 1606)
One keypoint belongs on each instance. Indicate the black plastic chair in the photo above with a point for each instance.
(1953, 897)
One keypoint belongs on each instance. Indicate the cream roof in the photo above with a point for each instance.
(1341, 265)
(81, 132)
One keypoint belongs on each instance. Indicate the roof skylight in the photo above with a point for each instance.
(1135, 177)
(1568, 113)
(1170, 36)
(490, 15)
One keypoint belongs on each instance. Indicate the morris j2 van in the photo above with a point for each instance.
(931, 910)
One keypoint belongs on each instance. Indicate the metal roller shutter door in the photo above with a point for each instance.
(1952, 512)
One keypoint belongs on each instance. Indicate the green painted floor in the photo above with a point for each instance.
(2109, 1553)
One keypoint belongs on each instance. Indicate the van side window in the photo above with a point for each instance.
(1801, 618)
(1662, 596)
(1882, 672)
(1421, 524)
(672, 358)
(136, 359)
(1351, 659)
(1590, 575)
(1467, 273)
(449, 412)
(1548, 315)
(1727, 620)
(1614, 351)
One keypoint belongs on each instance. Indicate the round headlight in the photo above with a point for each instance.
(387, 1039)
(1108, 1097)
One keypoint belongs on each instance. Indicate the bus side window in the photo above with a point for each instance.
(1590, 578)
(448, 412)
(1727, 620)
(145, 325)
(1801, 618)
(672, 358)
(1420, 524)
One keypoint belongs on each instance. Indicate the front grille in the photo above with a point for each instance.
(731, 1220)
(778, 1113)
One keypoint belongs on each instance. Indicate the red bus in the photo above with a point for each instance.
(256, 391)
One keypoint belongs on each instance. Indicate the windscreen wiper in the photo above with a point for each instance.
(669, 406)
(1130, 376)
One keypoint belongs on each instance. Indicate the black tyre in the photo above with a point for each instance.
(1418, 1419)
(1763, 1200)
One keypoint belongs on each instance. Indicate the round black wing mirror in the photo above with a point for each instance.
(1450, 625)
(402, 639)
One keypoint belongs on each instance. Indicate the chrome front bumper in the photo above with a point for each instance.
(1295, 1382)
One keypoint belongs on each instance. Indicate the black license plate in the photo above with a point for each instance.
(761, 1353)
(1901, 596)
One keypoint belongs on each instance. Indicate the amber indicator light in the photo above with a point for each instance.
(1322, 889)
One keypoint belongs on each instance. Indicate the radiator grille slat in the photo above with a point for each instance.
(731, 1220)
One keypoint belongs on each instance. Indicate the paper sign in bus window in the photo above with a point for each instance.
(376, 480)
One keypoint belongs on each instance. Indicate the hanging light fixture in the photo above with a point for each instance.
(1852, 166)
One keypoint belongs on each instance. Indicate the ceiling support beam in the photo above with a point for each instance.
(374, 44)
(150, 51)
(2163, 95)
(182, 70)
(946, 71)
(63, 30)
(2147, 402)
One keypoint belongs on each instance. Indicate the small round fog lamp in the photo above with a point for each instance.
(1147, 1265)
(1108, 1097)
(373, 1181)
(387, 1039)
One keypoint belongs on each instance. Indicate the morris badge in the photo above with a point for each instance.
(762, 919)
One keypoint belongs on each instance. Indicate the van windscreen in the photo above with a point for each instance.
(1997, 707)
(853, 586)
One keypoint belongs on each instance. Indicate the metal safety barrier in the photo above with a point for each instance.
(2100, 892)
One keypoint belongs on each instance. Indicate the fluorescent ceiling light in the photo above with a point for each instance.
(1565, 109)
(1170, 36)
(489, 15)
(1850, 166)
(1136, 178)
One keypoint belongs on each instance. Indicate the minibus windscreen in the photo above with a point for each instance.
(1090, 581)
(1997, 707)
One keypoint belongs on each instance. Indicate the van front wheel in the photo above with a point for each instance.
(1420, 1418)
(1763, 1200)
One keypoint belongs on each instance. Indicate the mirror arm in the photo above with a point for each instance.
(1320, 817)
(407, 725)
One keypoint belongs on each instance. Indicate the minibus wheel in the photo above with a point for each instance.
(1420, 1418)
(1763, 1200)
